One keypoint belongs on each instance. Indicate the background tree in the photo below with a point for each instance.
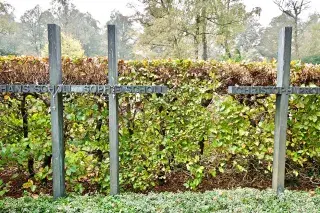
(219, 29)
(85, 28)
(161, 34)
(8, 30)
(268, 46)
(81, 26)
(310, 50)
(229, 18)
(196, 25)
(7, 23)
(125, 32)
(69, 47)
(248, 41)
(64, 11)
(293, 9)
(34, 23)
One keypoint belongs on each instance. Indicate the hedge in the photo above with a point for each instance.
(196, 128)
(27, 70)
(238, 200)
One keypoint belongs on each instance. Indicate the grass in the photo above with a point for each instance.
(238, 200)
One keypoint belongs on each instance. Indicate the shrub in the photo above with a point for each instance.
(197, 127)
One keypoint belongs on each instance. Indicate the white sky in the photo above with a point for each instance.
(101, 9)
(270, 10)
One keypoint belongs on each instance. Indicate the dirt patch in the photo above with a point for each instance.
(174, 183)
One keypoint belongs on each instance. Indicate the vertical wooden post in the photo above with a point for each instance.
(283, 80)
(58, 152)
(113, 111)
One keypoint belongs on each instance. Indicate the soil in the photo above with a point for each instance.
(230, 181)
(174, 183)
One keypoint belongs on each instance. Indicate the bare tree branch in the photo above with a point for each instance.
(292, 8)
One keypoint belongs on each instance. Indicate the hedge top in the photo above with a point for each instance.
(32, 70)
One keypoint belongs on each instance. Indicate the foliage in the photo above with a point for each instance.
(34, 22)
(125, 34)
(7, 24)
(69, 47)
(206, 29)
(248, 41)
(190, 28)
(315, 59)
(196, 128)
(310, 49)
(8, 27)
(293, 9)
(80, 26)
(4, 188)
(238, 200)
(268, 46)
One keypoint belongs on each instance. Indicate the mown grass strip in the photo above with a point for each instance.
(238, 200)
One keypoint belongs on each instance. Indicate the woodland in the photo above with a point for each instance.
(184, 29)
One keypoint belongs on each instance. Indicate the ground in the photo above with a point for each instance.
(175, 183)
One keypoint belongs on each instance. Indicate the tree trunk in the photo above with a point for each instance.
(296, 45)
(204, 36)
(226, 48)
(24, 114)
(196, 38)
(99, 152)
(176, 48)
(201, 146)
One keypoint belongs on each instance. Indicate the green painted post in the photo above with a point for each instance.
(113, 111)
(281, 118)
(55, 71)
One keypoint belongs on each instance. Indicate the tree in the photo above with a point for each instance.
(293, 9)
(176, 29)
(69, 47)
(229, 18)
(64, 12)
(187, 28)
(125, 34)
(199, 25)
(162, 35)
(81, 26)
(90, 35)
(7, 23)
(268, 46)
(34, 23)
(310, 50)
(247, 42)
(9, 42)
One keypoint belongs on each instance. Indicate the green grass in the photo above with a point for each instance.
(238, 200)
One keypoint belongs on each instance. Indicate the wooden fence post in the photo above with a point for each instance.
(113, 111)
(281, 118)
(58, 152)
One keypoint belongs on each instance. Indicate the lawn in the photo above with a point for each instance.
(238, 200)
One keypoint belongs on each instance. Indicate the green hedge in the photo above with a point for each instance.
(238, 200)
(314, 59)
(196, 128)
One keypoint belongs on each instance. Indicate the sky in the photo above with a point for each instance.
(270, 10)
(101, 9)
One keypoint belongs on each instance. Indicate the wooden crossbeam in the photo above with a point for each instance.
(255, 90)
(93, 89)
